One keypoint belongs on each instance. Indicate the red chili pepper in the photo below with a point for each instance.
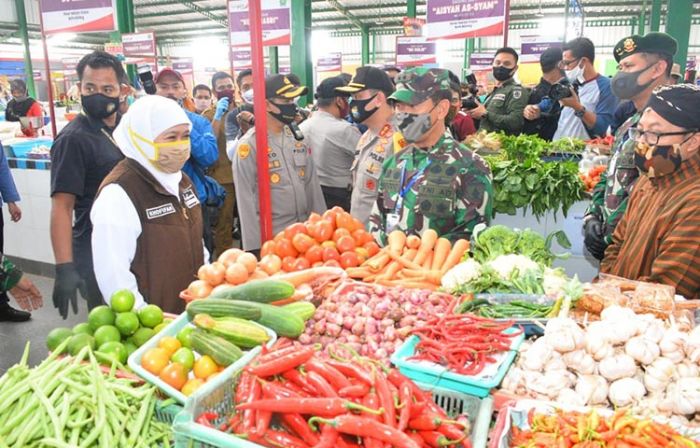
(371, 401)
(386, 399)
(275, 354)
(365, 427)
(206, 418)
(329, 373)
(284, 363)
(429, 421)
(358, 390)
(233, 423)
(321, 386)
(262, 421)
(243, 388)
(273, 389)
(315, 406)
(416, 437)
(352, 370)
(329, 437)
(297, 425)
(279, 439)
(418, 408)
(437, 440)
(249, 415)
(295, 388)
(397, 379)
(453, 431)
(300, 380)
(406, 397)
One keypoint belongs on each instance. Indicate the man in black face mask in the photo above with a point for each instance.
(295, 191)
(81, 157)
(644, 64)
(503, 109)
(23, 107)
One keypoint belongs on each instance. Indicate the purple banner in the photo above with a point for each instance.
(691, 63)
(416, 49)
(538, 48)
(450, 10)
(276, 22)
(184, 65)
(73, 5)
(272, 19)
(411, 51)
(480, 61)
(139, 44)
(330, 63)
(241, 55)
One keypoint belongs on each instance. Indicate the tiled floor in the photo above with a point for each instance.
(14, 336)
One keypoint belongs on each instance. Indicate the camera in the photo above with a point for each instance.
(146, 78)
(561, 90)
(469, 102)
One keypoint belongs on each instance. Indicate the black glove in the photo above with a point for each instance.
(66, 287)
(594, 238)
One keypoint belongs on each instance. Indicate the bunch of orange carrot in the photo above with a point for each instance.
(411, 261)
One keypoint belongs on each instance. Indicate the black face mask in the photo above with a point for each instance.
(287, 113)
(99, 106)
(502, 73)
(358, 112)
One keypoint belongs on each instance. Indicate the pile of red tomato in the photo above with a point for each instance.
(332, 239)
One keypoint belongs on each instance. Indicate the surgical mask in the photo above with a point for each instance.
(624, 84)
(287, 113)
(248, 96)
(202, 105)
(413, 126)
(502, 73)
(228, 93)
(657, 161)
(575, 75)
(99, 106)
(358, 110)
(167, 157)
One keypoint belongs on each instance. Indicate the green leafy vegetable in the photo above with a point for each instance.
(499, 240)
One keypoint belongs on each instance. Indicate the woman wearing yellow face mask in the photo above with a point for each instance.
(147, 220)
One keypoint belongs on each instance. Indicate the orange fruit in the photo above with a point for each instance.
(155, 360)
(169, 344)
(204, 366)
(174, 375)
(349, 260)
(345, 244)
(191, 386)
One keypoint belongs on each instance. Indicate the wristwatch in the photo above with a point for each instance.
(579, 113)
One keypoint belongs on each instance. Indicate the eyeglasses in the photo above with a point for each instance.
(652, 138)
(565, 64)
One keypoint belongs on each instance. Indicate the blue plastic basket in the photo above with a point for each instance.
(171, 330)
(20, 149)
(434, 375)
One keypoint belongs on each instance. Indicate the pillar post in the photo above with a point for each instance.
(273, 55)
(680, 16)
(365, 45)
(24, 35)
(300, 50)
(411, 8)
(655, 21)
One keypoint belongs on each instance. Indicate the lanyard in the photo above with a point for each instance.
(411, 182)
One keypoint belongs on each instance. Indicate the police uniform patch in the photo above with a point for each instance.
(243, 151)
(274, 178)
(517, 94)
(370, 185)
(301, 172)
(386, 130)
(269, 149)
(629, 45)
(298, 145)
(379, 149)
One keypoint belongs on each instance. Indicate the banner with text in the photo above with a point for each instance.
(276, 22)
(241, 58)
(78, 16)
(332, 62)
(412, 51)
(480, 61)
(184, 65)
(413, 26)
(459, 19)
(532, 47)
(139, 44)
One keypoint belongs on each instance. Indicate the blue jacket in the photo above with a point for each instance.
(8, 190)
(204, 152)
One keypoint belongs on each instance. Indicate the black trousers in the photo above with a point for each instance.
(82, 259)
(4, 298)
(337, 197)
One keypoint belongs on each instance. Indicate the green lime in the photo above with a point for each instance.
(100, 316)
(78, 341)
(185, 336)
(107, 333)
(122, 301)
(130, 347)
(184, 356)
(56, 336)
(83, 327)
(114, 351)
(150, 316)
(142, 335)
(127, 323)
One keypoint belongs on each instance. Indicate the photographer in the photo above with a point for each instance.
(542, 112)
(588, 111)
(503, 109)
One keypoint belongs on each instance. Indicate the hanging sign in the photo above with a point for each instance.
(78, 16)
(242, 58)
(480, 61)
(276, 22)
(285, 70)
(412, 51)
(691, 63)
(413, 26)
(459, 19)
(115, 48)
(139, 44)
(184, 65)
(532, 47)
(332, 62)
(70, 64)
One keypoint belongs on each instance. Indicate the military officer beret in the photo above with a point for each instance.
(416, 85)
(654, 42)
(678, 104)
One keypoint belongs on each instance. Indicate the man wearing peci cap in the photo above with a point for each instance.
(370, 90)
(295, 191)
(434, 182)
(332, 142)
(644, 64)
(657, 238)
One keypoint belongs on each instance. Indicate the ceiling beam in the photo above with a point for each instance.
(344, 11)
(221, 21)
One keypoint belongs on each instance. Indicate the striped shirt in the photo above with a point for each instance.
(658, 239)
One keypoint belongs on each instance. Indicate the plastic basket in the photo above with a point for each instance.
(171, 330)
(218, 397)
(435, 375)
(166, 411)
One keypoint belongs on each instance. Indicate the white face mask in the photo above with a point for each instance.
(576, 75)
(202, 104)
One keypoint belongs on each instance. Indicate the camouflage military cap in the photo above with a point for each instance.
(416, 85)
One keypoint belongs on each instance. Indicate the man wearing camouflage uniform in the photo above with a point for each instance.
(645, 63)
(434, 182)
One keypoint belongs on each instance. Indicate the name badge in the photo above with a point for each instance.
(392, 221)
(190, 198)
(160, 211)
